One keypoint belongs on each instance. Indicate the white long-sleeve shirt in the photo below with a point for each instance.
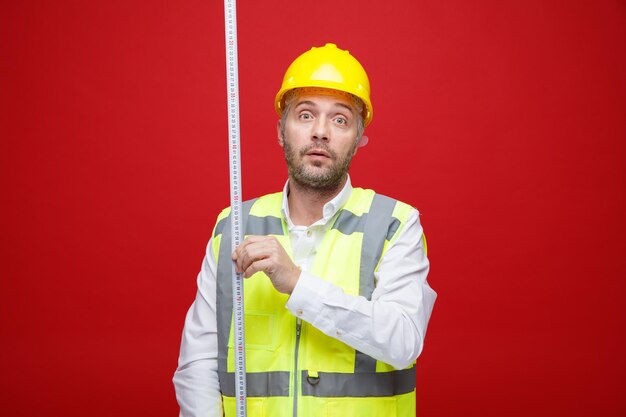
(390, 328)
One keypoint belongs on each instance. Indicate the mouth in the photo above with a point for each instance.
(318, 153)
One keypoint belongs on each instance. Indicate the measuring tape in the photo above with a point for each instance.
(232, 86)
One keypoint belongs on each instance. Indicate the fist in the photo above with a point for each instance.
(266, 254)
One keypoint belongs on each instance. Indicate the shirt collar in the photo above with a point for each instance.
(330, 209)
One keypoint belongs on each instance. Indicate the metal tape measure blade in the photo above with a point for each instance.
(232, 85)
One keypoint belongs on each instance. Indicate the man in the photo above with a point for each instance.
(336, 297)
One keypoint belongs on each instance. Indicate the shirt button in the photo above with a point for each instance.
(338, 333)
(309, 233)
(299, 312)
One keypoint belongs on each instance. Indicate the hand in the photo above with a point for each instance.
(266, 254)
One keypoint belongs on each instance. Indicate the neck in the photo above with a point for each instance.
(306, 204)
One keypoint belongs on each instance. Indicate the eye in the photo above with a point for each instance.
(341, 120)
(305, 116)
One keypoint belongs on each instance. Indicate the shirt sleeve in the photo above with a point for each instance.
(399, 310)
(196, 378)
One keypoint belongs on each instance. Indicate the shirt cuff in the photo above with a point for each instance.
(306, 300)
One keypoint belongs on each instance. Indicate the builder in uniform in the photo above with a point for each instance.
(336, 295)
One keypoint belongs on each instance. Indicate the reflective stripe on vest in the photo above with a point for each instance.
(330, 384)
(377, 226)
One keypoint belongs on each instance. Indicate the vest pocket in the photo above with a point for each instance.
(255, 406)
(362, 407)
(260, 331)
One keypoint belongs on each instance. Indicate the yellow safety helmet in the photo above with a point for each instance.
(327, 67)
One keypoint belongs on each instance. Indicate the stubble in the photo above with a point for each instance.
(327, 180)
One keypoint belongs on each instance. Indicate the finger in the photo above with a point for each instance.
(247, 241)
(254, 238)
(252, 249)
(239, 254)
(252, 252)
(261, 265)
(242, 256)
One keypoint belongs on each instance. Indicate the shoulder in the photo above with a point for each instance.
(399, 217)
(260, 206)
(371, 197)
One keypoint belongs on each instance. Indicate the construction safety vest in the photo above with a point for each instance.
(292, 368)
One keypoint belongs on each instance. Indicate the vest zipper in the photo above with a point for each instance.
(295, 369)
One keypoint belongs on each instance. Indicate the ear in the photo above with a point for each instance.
(363, 141)
(281, 139)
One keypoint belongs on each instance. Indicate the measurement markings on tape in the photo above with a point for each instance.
(232, 85)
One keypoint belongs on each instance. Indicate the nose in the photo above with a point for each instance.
(321, 129)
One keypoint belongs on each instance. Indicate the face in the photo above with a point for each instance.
(319, 140)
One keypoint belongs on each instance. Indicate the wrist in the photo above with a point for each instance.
(295, 277)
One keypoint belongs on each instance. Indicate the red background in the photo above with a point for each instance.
(503, 122)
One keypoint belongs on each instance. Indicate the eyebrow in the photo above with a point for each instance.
(311, 103)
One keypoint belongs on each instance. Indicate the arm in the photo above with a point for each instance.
(196, 379)
(398, 312)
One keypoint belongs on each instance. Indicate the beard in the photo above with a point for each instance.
(326, 180)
